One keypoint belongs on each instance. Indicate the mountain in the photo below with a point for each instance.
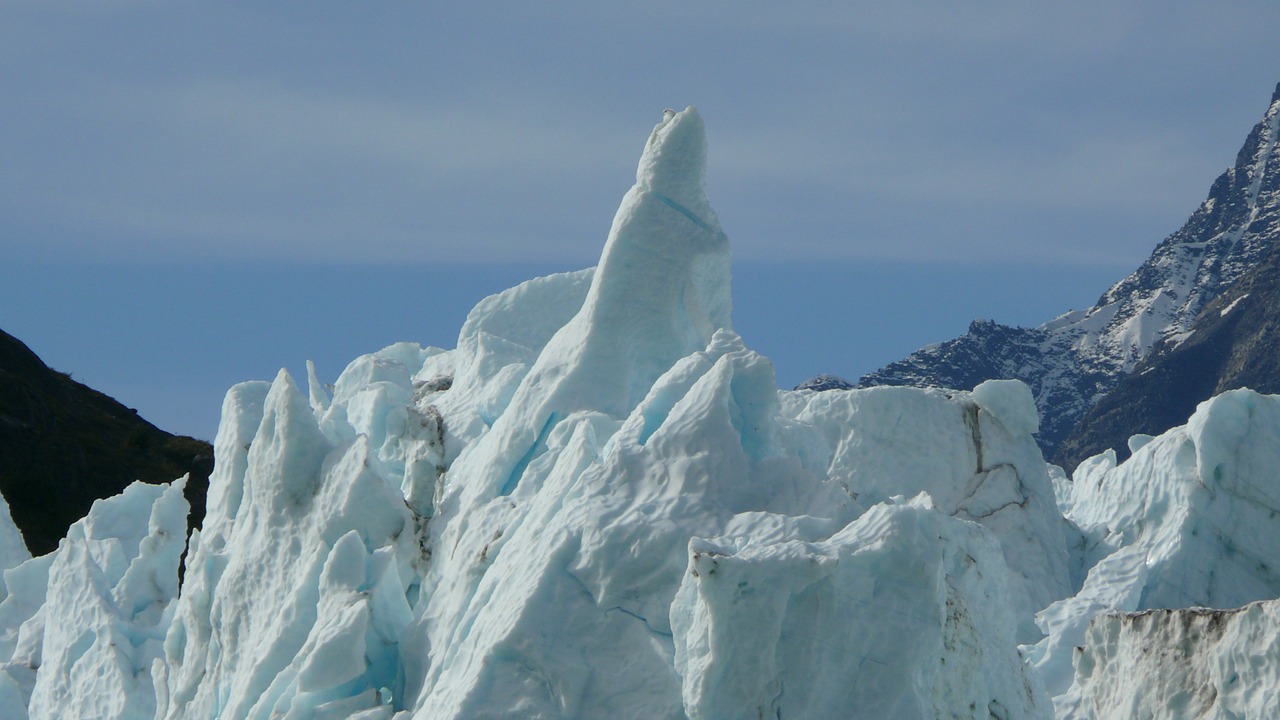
(822, 383)
(64, 445)
(1073, 361)
(1233, 343)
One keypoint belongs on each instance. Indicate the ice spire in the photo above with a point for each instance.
(674, 164)
(663, 284)
(660, 292)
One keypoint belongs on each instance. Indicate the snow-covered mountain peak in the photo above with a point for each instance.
(1072, 361)
(1192, 266)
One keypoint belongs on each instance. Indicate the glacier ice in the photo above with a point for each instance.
(307, 563)
(84, 624)
(1189, 520)
(755, 623)
(1195, 662)
(598, 504)
(13, 550)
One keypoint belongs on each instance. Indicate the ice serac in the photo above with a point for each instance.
(1192, 663)
(296, 590)
(971, 453)
(761, 622)
(1187, 521)
(660, 291)
(91, 615)
(527, 500)
(661, 288)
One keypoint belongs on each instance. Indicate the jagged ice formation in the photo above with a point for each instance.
(568, 516)
(599, 505)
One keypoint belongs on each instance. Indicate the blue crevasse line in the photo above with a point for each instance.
(535, 450)
(682, 210)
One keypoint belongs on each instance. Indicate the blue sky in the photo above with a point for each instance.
(197, 194)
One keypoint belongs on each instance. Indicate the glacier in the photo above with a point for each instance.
(598, 504)
(1189, 521)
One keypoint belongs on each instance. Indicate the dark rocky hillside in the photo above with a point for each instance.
(1233, 343)
(63, 445)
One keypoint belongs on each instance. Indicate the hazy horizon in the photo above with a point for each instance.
(195, 196)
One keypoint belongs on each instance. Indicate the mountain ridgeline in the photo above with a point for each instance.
(1233, 343)
(64, 445)
(1077, 361)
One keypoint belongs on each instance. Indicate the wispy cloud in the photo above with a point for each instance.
(881, 129)
(263, 170)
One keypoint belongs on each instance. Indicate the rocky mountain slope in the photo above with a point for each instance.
(1073, 361)
(64, 445)
(1233, 343)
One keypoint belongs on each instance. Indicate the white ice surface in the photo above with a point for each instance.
(13, 550)
(761, 623)
(91, 615)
